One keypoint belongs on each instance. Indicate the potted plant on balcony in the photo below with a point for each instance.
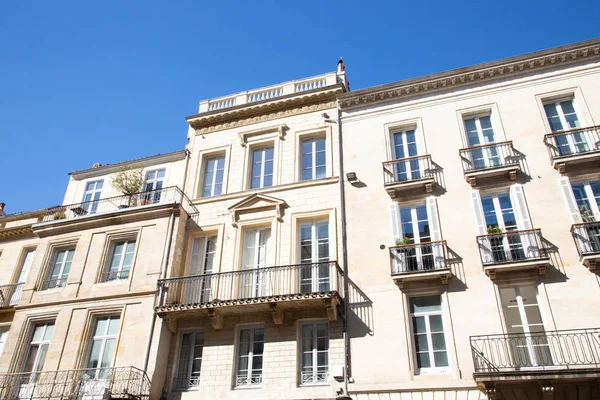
(586, 214)
(128, 181)
(493, 230)
(59, 214)
(404, 241)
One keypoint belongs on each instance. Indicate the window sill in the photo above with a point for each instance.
(113, 282)
(433, 372)
(50, 291)
(249, 387)
(321, 384)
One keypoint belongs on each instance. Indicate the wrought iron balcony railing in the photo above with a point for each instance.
(419, 257)
(577, 141)
(568, 349)
(587, 237)
(320, 277)
(490, 156)
(101, 383)
(409, 169)
(10, 294)
(54, 283)
(170, 194)
(512, 246)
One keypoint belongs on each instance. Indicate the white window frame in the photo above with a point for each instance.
(590, 197)
(61, 271)
(313, 163)
(36, 367)
(154, 181)
(316, 258)
(441, 313)
(104, 337)
(193, 381)
(95, 195)
(561, 114)
(258, 279)
(197, 265)
(108, 268)
(250, 356)
(205, 160)
(314, 375)
(3, 338)
(263, 153)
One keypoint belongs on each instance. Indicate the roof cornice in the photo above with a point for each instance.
(137, 163)
(486, 72)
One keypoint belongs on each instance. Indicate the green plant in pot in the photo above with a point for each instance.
(586, 214)
(59, 214)
(493, 230)
(129, 182)
(402, 242)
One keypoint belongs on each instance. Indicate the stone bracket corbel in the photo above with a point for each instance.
(276, 313)
(172, 323)
(216, 319)
(331, 307)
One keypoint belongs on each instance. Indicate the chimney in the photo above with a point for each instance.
(2, 213)
(96, 165)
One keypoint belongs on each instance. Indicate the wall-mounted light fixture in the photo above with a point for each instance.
(351, 176)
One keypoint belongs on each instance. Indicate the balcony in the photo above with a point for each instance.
(489, 162)
(513, 251)
(106, 383)
(411, 174)
(420, 262)
(273, 289)
(10, 295)
(544, 355)
(587, 240)
(574, 149)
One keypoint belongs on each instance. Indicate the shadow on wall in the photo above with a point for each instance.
(360, 318)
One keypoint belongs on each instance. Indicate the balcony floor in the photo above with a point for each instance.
(443, 274)
(539, 264)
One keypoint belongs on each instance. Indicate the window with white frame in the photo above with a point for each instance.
(3, 338)
(562, 116)
(405, 147)
(314, 158)
(261, 171)
(102, 346)
(202, 259)
(256, 251)
(152, 185)
(92, 193)
(314, 255)
(587, 198)
(59, 270)
(429, 340)
(26, 261)
(314, 358)
(214, 169)
(190, 360)
(120, 260)
(479, 132)
(583, 200)
(38, 347)
(249, 370)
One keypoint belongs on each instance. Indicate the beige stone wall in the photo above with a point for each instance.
(381, 343)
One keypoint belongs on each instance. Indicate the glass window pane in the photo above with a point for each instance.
(421, 343)
(94, 357)
(49, 332)
(113, 326)
(425, 304)
(435, 323)
(440, 359)
(101, 327)
(419, 324)
(320, 144)
(107, 356)
(423, 360)
(437, 341)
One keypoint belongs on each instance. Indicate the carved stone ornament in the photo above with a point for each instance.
(257, 202)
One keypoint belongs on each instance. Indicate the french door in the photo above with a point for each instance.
(416, 230)
(587, 199)
(202, 261)
(527, 340)
(253, 281)
(563, 117)
(405, 145)
(35, 359)
(499, 214)
(100, 359)
(153, 184)
(314, 257)
(25, 267)
(480, 132)
(92, 193)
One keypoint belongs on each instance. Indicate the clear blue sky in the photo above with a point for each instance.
(107, 81)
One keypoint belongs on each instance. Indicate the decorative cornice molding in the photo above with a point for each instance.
(510, 67)
(7, 233)
(262, 112)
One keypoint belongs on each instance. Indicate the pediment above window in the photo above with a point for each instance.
(257, 204)
(268, 131)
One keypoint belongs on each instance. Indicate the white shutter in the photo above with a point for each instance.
(478, 210)
(396, 223)
(517, 198)
(570, 199)
(432, 217)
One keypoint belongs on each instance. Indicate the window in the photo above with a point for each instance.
(587, 198)
(563, 117)
(500, 217)
(314, 254)
(153, 185)
(3, 337)
(38, 347)
(214, 168)
(404, 145)
(250, 357)
(190, 360)
(255, 255)
(120, 260)
(102, 347)
(523, 320)
(314, 164)
(428, 334)
(479, 132)
(262, 168)
(314, 361)
(61, 265)
(91, 195)
(27, 260)
(204, 249)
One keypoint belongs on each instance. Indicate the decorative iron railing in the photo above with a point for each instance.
(245, 380)
(54, 283)
(314, 378)
(543, 350)
(114, 275)
(489, 156)
(410, 169)
(573, 142)
(89, 384)
(10, 294)
(320, 277)
(512, 246)
(419, 257)
(170, 194)
(587, 237)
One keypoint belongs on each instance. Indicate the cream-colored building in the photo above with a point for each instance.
(471, 233)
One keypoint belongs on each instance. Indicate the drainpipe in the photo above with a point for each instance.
(337, 121)
(163, 275)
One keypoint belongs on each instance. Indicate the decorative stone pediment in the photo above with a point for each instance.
(257, 203)
(278, 130)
